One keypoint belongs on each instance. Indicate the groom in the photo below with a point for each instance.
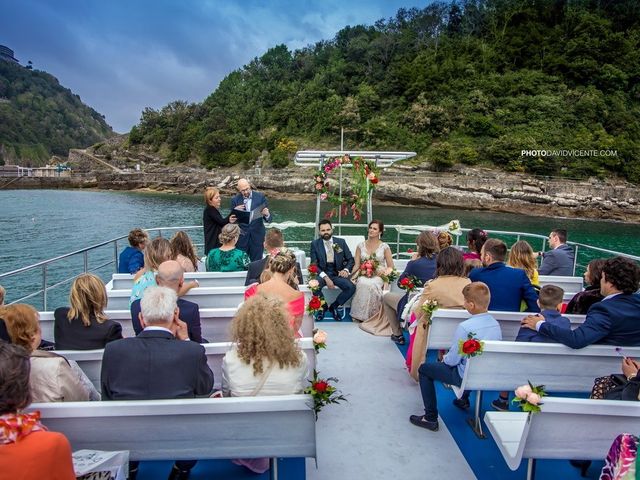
(334, 261)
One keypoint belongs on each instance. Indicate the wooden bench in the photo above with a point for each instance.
(566, 428)
(214, 323)
(190, 429)
(446, 320)
(90, 361)
(205, 297)
(507, 365)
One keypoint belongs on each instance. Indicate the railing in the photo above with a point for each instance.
(297, 234)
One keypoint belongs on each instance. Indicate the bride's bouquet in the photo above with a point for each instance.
(369, 267)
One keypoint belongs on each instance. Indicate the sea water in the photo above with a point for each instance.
(36, 225)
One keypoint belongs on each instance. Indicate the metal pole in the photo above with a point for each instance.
(575, 260)
(342, 139)
(476, 421)
(531, 469)
(44, 287)
(340, 209)
(115, 256)
(85, 257)
(318, 200)
(274, 468)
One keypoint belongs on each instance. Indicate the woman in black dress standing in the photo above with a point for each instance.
(212, 220)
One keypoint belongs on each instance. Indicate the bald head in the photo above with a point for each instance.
(170, 275)
(244, 187)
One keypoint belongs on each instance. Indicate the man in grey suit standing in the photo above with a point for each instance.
(334, 261)
(558, 260)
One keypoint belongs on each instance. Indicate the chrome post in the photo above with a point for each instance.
(318, 201)
(575, 260)
(476, 421)
(398, 244)
(531, 469)
(274, 468)
(115, 256)
(85, 258)
(340, 209)
(44, 287)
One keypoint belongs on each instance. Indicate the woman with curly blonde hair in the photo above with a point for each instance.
(84, 325)
(521, 256)
(276, 280)
(228, 258)
(184, 252)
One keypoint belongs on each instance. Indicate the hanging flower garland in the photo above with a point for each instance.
(364, 177)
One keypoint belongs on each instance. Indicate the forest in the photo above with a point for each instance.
(40, 118)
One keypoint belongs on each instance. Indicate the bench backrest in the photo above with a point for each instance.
(90, 361)
(445, 321)
(205, 297)
(189, 429)
(565, 428)
(507, 365)
(570, 285)
(214, 322)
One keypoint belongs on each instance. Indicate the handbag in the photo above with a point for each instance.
(604, 386)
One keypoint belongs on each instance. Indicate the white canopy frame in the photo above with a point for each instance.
(318, 158)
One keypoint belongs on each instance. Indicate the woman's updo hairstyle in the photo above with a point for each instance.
(230, 232)
(281, 260)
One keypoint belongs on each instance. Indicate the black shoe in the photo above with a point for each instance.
(462, 403)
(319, 315)
(399, 339)
(335, 313)
(583, 465)
(420, 421)
(177, 474)
(500, 404)
(133, 474)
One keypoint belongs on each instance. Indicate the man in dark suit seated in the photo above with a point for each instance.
(273, 239)
(558, 260)
(171, 275)
(509, 286)
(160, 363)
(252, 235)
(334, 261)
(614, 321)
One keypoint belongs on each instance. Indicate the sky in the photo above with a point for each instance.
(121, 56)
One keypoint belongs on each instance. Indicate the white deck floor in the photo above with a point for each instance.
(370, 436)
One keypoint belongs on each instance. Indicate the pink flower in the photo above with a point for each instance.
(320, 337)
(371, 176)
(323, 196)
(533, 398)
(319, 186)
(523, 391)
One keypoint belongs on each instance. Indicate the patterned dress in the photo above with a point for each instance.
(234, 260)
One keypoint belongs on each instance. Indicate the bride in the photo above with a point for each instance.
(366, 305)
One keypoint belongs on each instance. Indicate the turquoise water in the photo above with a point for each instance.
(40, 224)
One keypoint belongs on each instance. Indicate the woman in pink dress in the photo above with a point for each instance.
(281, 267)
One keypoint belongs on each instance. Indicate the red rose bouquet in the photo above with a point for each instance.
(410, 283)
(315, 304)
(369, 267)
(470, 347)
(323, 392)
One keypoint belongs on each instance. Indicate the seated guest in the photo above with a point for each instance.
(509, 286)
(444, 240)
(446, 290)
(451, 370)
(582, 301)
(264, 359)
(27, 450)
(613, 321)
(629, 389)
(184, 252)
(282, 265)
(334, 261)
(272, 240)
(156, 252)
(157, 364)
(522, 256)
(84, 325)
(53, 378)
(3, 292)
(558, 260)
(424, 269)
(228, 258)
(475, 240)
(132, 259)
(470, 265)
(550, 303)
(170, 275)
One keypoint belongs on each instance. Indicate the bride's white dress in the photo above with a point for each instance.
(366, 304)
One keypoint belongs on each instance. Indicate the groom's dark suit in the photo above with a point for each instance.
(342, 260)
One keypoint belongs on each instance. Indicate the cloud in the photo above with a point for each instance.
(122, 56)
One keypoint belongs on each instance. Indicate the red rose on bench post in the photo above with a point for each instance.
(315, 304)
(470, 347)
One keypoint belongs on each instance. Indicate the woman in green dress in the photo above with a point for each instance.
(228, 258)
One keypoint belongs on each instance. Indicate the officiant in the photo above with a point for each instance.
(256, 208)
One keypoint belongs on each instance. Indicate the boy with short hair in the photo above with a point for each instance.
(550, 303)
(451, 370)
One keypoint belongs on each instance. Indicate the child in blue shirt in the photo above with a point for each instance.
(550, 303)
(451, 369)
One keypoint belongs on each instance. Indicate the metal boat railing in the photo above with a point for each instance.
(297, 235)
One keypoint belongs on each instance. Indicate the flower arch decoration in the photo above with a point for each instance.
(364, 177)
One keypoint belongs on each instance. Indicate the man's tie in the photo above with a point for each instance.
(329, 249)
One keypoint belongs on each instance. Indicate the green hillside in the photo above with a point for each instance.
(471, 82)
(39, 117)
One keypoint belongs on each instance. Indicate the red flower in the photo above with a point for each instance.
(313, 269)
(409, 250)
(321, 386)
(405, 281)
(471, 346)
(315, 303)
(374, 180)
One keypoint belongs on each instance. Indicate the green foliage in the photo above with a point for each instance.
(39, 117)
(475, 81)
